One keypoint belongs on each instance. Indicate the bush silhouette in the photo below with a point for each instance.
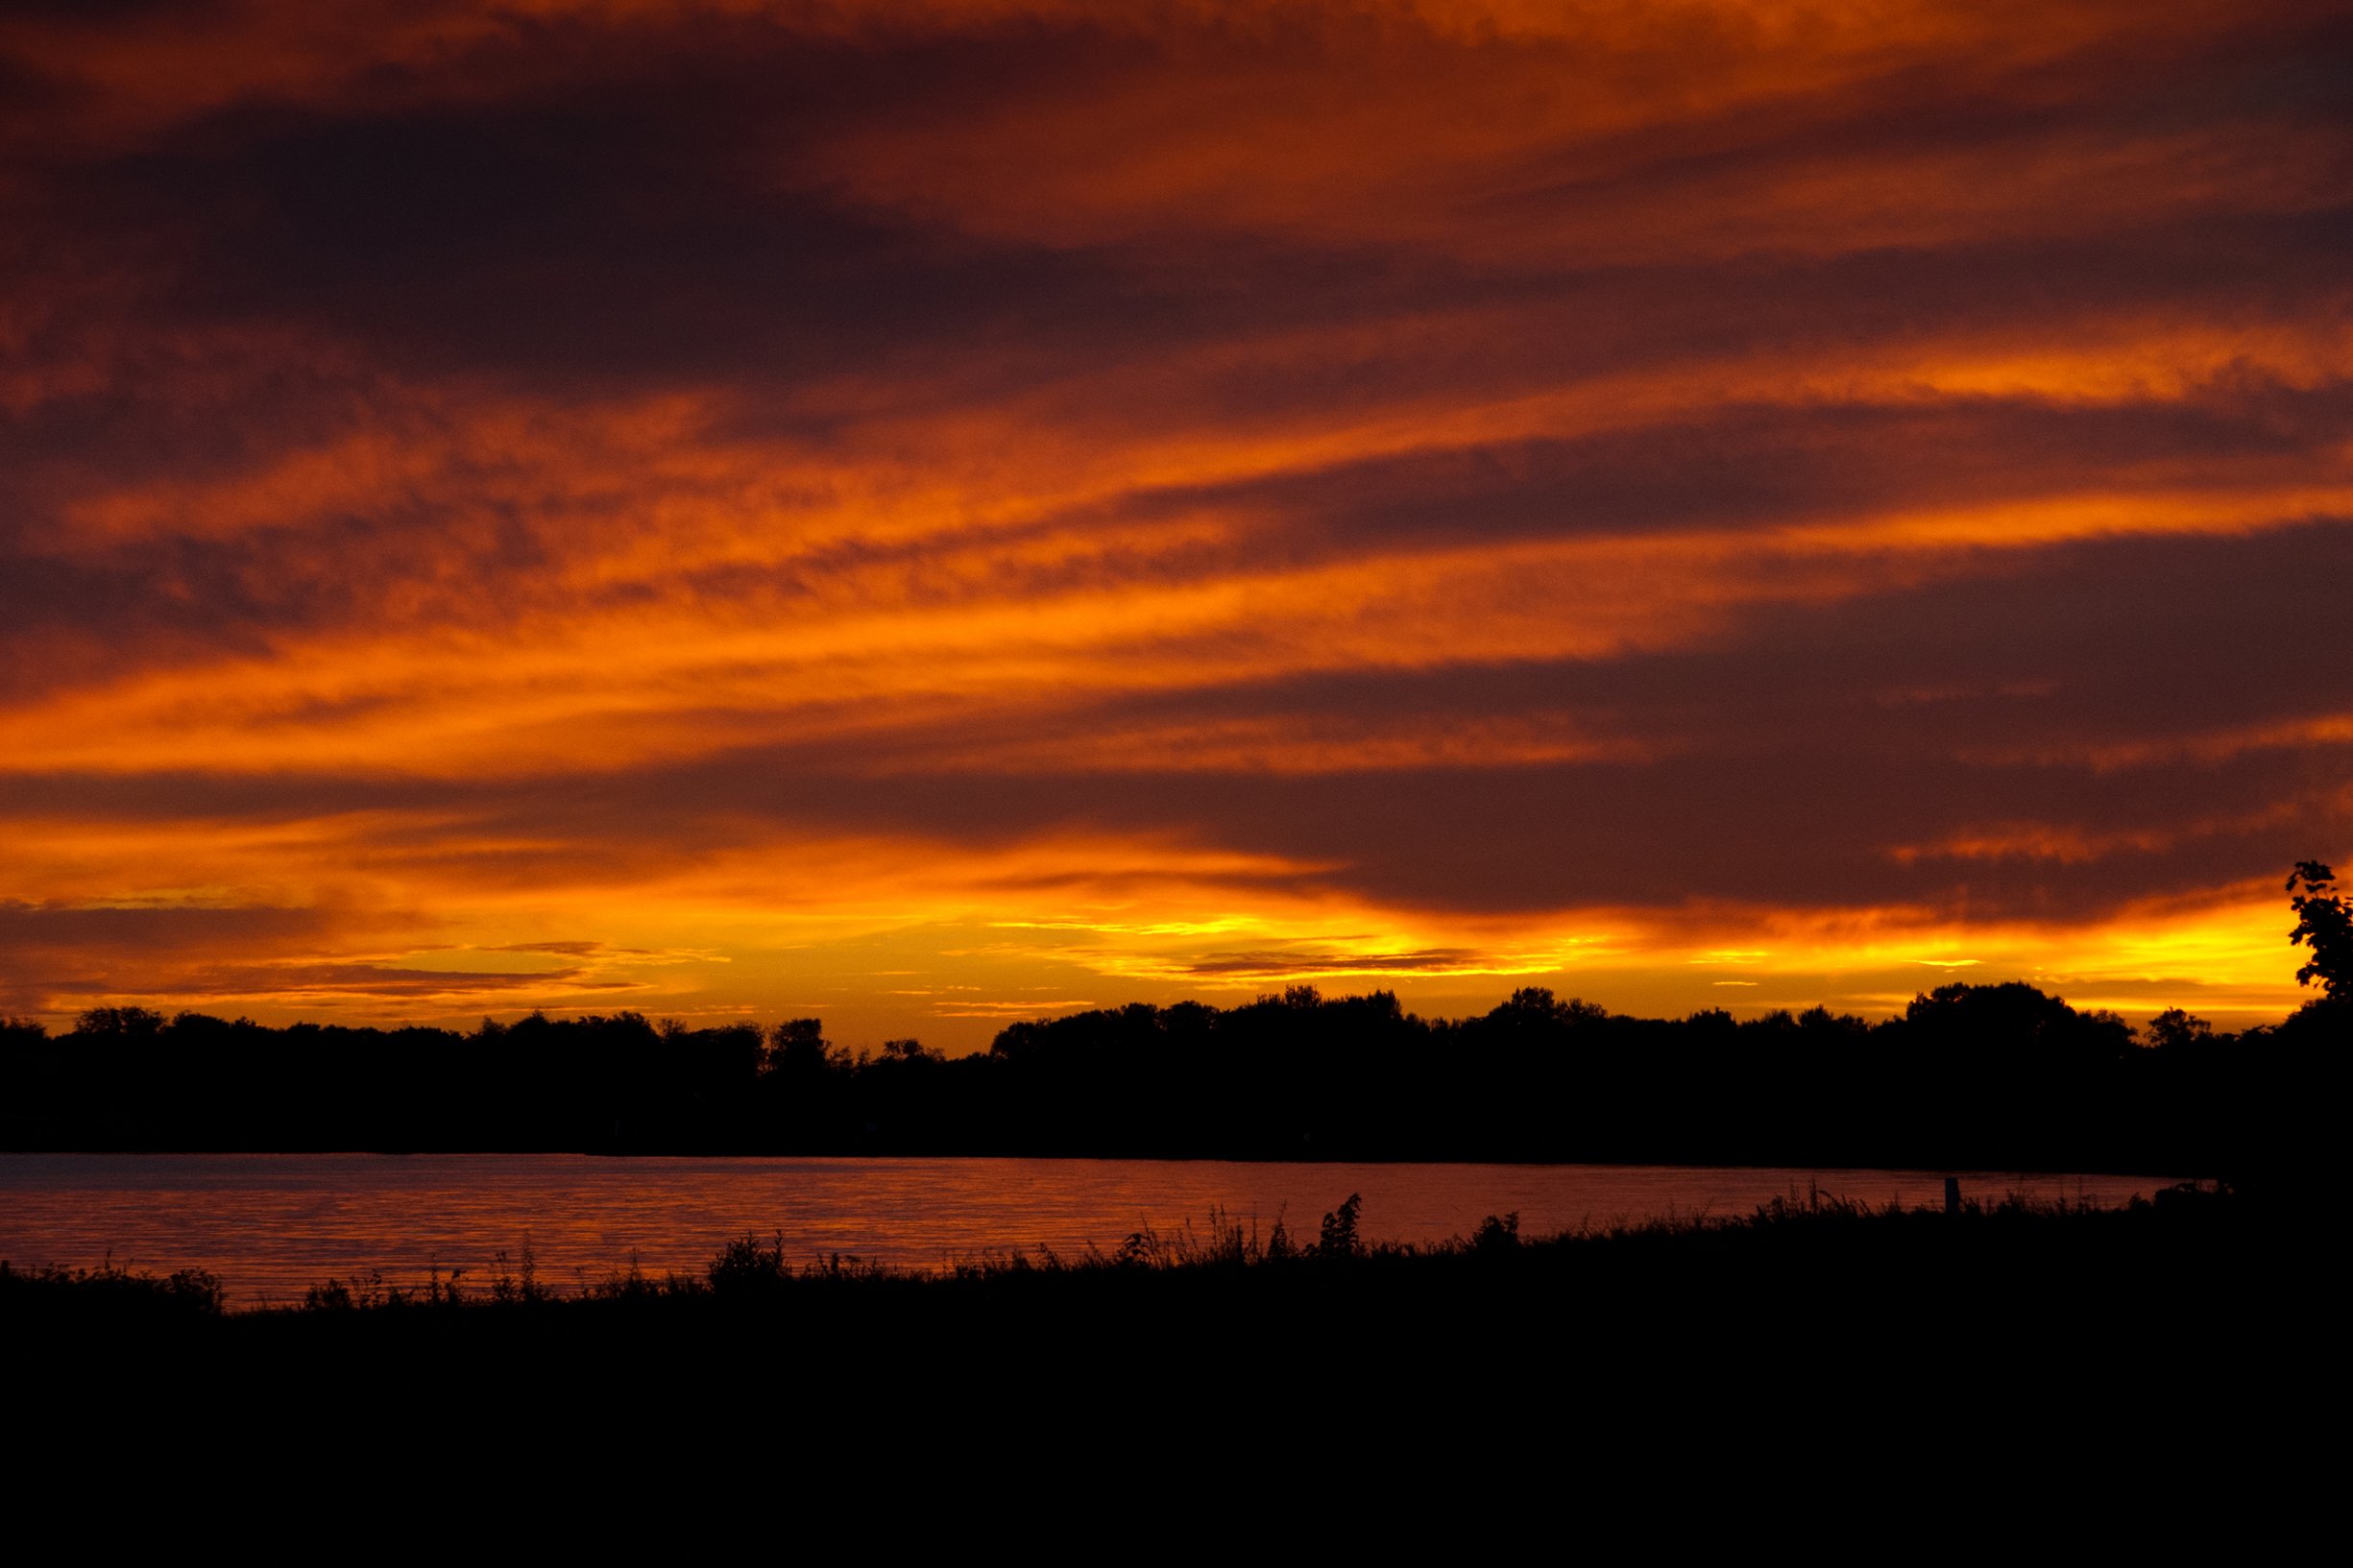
(1338, 1238)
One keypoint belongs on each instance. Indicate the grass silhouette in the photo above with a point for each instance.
(1492, 1366)
(1827, 1235)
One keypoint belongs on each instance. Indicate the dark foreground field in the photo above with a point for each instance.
(2165, 1352)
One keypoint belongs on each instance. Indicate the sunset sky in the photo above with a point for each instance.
(931, 515)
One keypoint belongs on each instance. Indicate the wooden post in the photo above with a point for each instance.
(1953, 1194)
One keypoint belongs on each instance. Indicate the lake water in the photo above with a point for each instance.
(270, 1225)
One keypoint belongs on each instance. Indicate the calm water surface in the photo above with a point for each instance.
(270, 1225)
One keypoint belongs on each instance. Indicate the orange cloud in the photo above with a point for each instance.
(716, 507)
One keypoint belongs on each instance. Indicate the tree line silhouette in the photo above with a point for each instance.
(1987, 1076)
(1993, 1076)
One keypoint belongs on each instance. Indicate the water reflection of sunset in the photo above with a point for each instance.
(929, 514)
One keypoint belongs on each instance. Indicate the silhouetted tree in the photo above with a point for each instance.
(797, 1047)
(2325, 926)
(1533, 1006)
(2175, 1029)
(121, 1023)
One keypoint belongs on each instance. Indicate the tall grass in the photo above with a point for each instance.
(751, 1268)
(111, 1289)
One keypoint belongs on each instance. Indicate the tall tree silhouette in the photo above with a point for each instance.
(2324, 924)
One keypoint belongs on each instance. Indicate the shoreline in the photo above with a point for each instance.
(750, 1267)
